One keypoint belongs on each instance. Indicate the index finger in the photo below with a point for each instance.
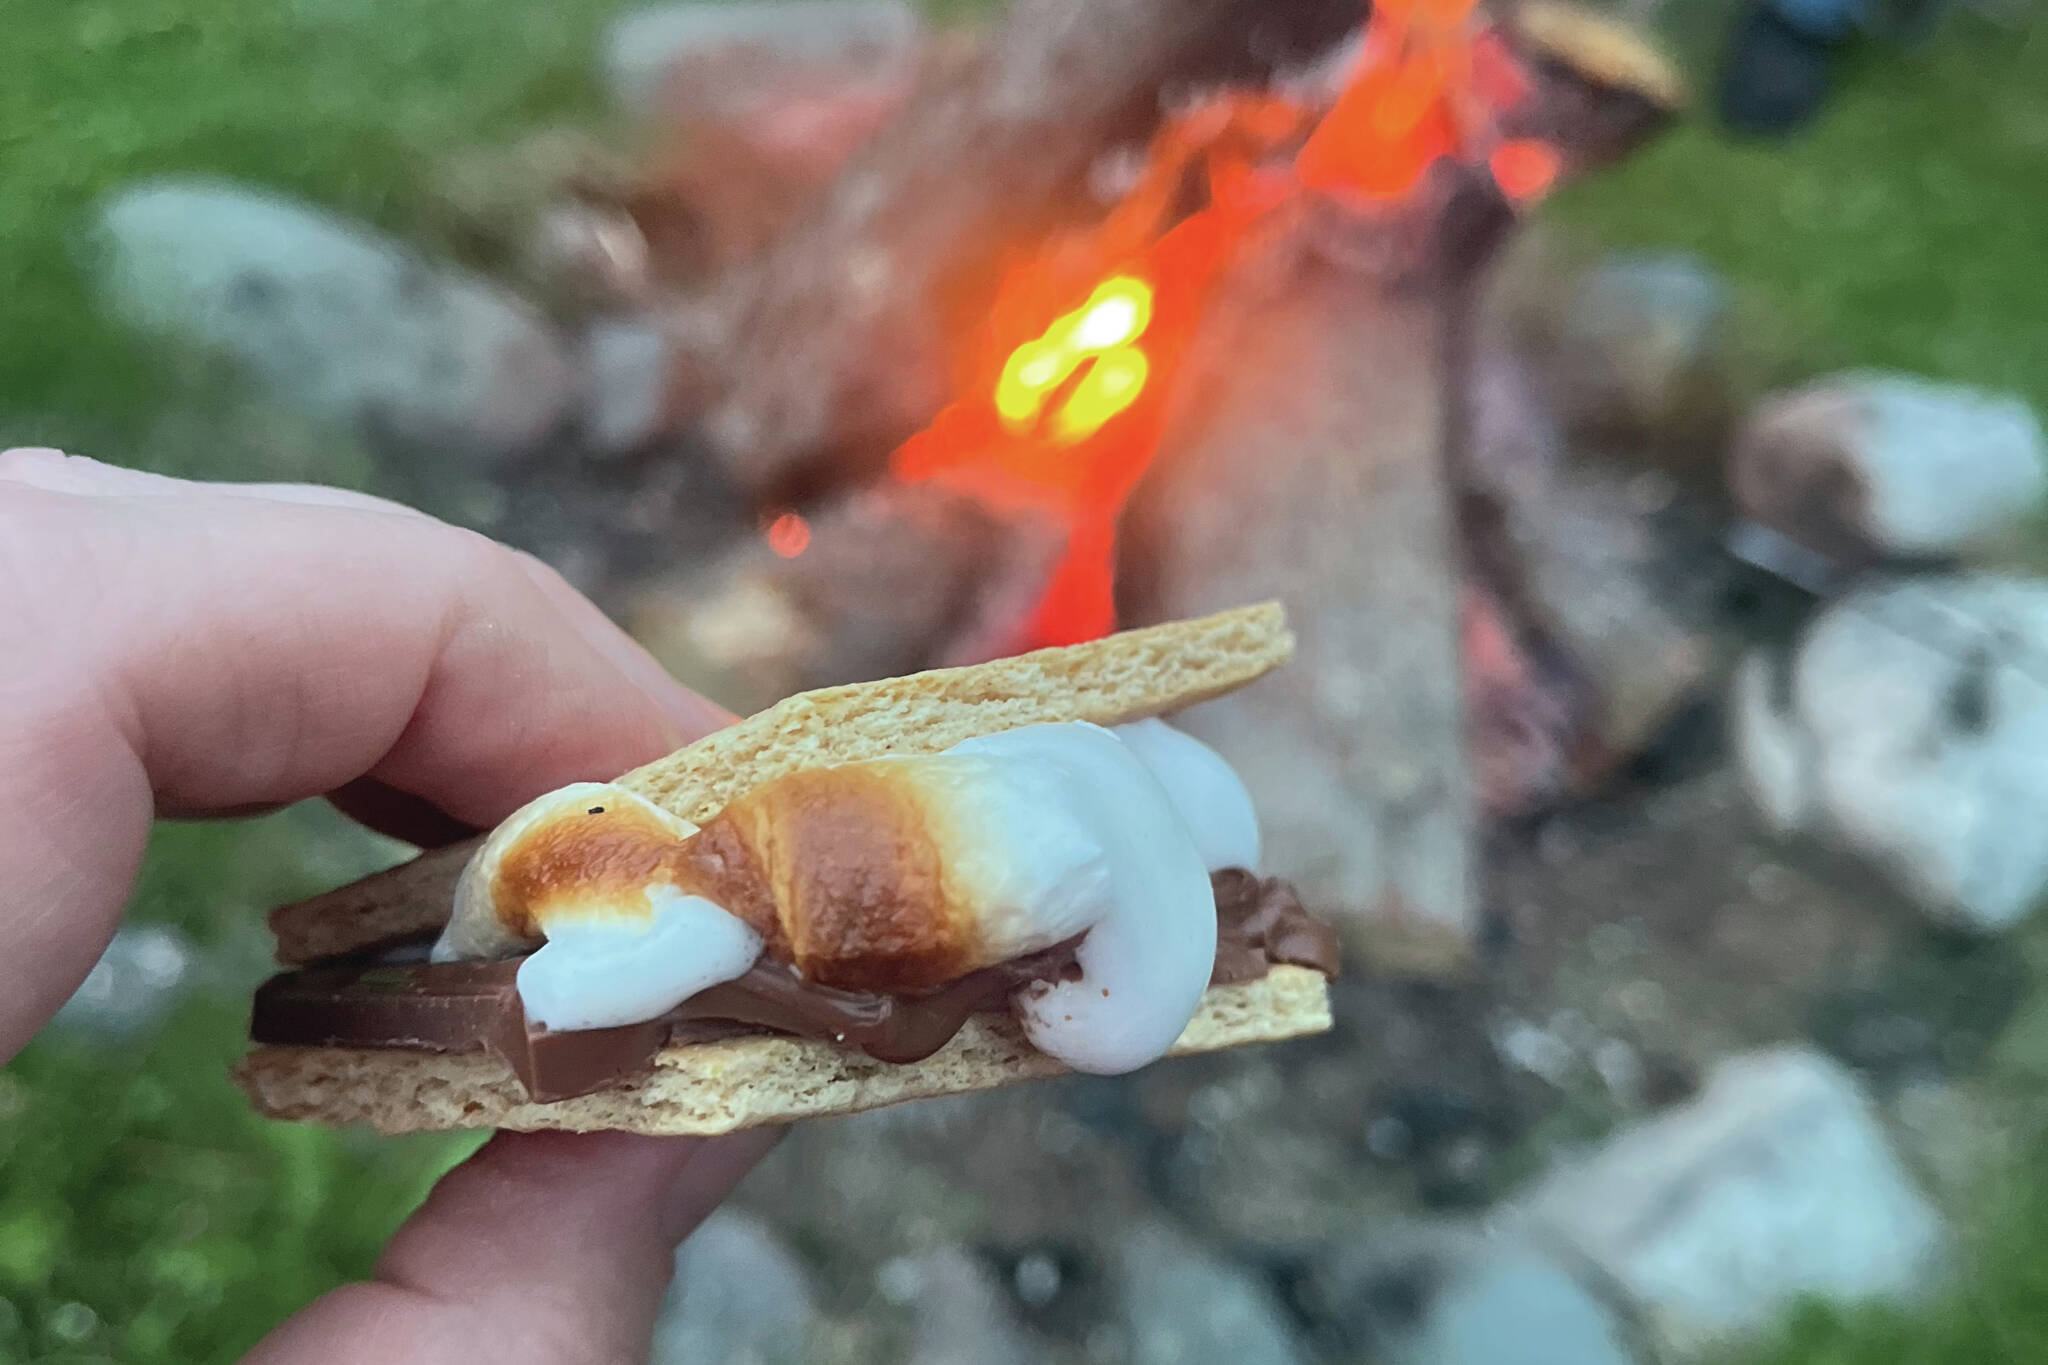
(179, 649)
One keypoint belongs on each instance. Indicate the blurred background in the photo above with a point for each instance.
(1637, 407)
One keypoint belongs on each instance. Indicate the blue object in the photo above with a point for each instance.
(1827, 20)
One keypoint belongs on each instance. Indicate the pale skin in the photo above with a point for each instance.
(190, 650)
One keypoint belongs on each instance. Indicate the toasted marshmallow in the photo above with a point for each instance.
(589, 850)
(964, 860)
(591, 869)
(896, 874)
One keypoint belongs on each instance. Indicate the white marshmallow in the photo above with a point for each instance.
(1059, 829)
(1208, 793)
(1146, 961)
(606, 961)
(605, 972)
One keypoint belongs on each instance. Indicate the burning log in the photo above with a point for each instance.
(1565, 557)
(1320, 454)
(1400, 160)
(755, 132)
(1280, 306)
(1600, 89)
(839, 340)
(1607, 641)
(1308, 466)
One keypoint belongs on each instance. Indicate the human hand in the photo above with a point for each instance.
(185, 649)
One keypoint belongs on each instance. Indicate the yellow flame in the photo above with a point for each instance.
(1116, 314)
(1106, 390)
(1110, 321)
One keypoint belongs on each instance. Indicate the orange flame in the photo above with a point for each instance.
(1067, 421)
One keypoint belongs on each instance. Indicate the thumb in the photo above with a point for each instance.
(543, 1247)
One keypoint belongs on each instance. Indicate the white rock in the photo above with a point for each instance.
(1916, 732)
(1183, 1306)
(1443, 1295)
(1775, 752)
(1530, 1047)
(963, 1317)
(643, 47)
(739, 1298)
(341, 321)
(1872, 464)
(1775, 1182)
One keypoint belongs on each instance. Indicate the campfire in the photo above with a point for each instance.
(983, 407)
(1064, 393)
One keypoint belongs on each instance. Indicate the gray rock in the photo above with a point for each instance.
(644, 49)
(1775, 1182)
(739, 1298)
(339, 320)
(1443, 1297)
(1596, 578)
(1183, 1306)
(962, 1315)
(1640, 351)
(133, 986)
(1515, 1309)
(627, 366)
(579, 257)
(1868, 465)
(1245, 1165)
(1911, 724)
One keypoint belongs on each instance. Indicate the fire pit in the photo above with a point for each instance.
(1236, 367)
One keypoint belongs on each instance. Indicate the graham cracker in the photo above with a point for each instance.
(1121, 678)
(722, 1087)
(761, 1079)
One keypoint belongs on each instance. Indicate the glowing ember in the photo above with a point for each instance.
(789, 535)
(1094, 338)
(1067, 421)
(1524, 168)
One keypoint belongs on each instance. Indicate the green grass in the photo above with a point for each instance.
(144, 1214)
(147, 1214)
(1994, 1312)
(347, 102)
(1905, 230)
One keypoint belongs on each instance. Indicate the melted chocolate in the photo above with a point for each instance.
(473, 1006)
(1261, 921)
